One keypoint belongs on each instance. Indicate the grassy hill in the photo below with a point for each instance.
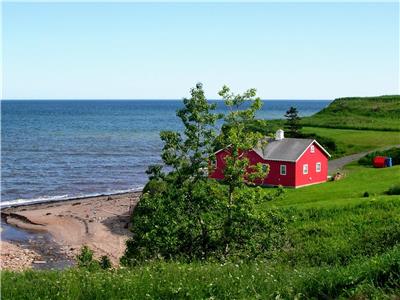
(353, 124)
(378, 113)
(340, 245)
(350, 141)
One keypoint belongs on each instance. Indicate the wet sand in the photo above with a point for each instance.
(99, 222)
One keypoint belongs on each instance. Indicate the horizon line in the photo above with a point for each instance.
(155, 99)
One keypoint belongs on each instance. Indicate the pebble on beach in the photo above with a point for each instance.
(16, 258)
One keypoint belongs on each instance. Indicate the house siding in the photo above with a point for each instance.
(294, 170)
(311, 159)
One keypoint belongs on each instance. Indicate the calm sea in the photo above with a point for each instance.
(56, 150)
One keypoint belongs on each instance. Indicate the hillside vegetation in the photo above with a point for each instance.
(340, 244)
(378, 113)
(350, 141)
(347, 125)
(194, 238)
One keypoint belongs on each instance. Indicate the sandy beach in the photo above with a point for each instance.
(98, 222)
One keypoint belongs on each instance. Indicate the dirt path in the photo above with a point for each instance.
(337, 164)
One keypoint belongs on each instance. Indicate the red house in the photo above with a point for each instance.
(292, 162)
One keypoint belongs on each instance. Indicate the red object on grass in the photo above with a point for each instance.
(379, 161)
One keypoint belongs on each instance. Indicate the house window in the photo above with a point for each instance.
(283, 169)
(318, 167)
(265, 167)
(305, 169)
(213, 163)
(312, 148)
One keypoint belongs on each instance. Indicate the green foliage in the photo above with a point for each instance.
(105, 262)
(376, 113)
(394, 153)
(377, 277)
(238, 171)
(366, 195)
(338, 245)
(177, 212)
(394, 190)
(340, 234)
(85, 257)
(354, 141)
(292, 125)
(86, 261)
(182, 215)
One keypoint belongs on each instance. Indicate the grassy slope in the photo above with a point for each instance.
(358, 179)
(354, 141)
(355, 124)
(348, 141)
(379, 113)
(377, 278)
(341, 244)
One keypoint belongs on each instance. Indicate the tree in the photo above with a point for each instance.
(184, 215)
(292, 124)
(238, 171)
(172, 217)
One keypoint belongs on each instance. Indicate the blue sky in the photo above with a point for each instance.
(160, 50)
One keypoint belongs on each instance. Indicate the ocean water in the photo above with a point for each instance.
(56, 150)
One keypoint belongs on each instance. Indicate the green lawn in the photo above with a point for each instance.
(332, 224)
(354, 141)
(358, 179)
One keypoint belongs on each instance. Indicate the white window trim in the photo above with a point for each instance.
(312, 149)
(305, 169)
(282, 167)
(316, 167)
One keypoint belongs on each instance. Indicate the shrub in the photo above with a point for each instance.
(85, 257)
(105, 262)
(394, 190)
(85, 260)
(173, 232)
(366, 194)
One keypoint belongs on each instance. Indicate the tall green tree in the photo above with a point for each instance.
(172, 215)
(292, 125)
(184, 215)
(238, 172)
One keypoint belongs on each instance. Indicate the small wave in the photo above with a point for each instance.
(18, 202)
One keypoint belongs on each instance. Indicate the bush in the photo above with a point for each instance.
(366, 194)
(105, 262)
(85, 260)
(85, 257)
(394, 153)
(394, 190)
(173, 232)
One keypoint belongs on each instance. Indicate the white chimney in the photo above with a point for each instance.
(279, 135)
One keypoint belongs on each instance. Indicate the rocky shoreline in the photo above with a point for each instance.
(16, 258)
(62, 228)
